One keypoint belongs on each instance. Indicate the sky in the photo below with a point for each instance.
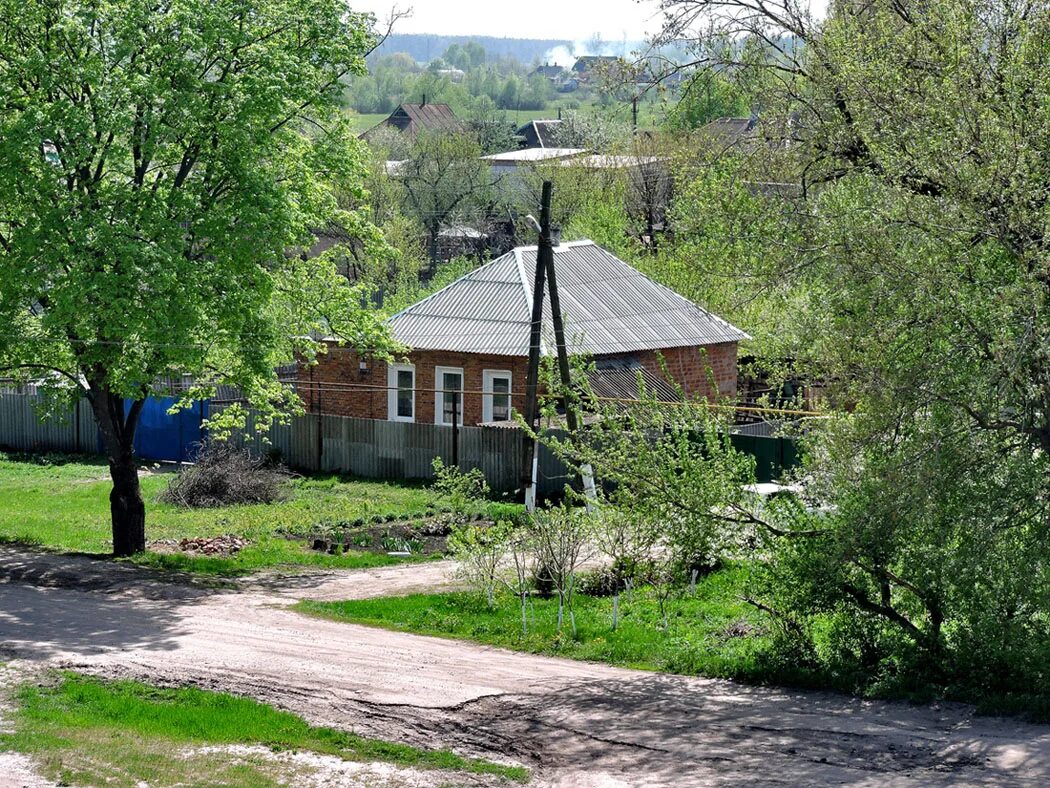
(613, 20)
(572, 20)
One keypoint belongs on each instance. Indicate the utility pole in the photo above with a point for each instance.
(634, 113)
(544, 251)
(571, 416)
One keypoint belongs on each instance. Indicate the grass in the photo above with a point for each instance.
(650, 114)
(62, 503)
(709, 631)
(362, 122)
(86, 731)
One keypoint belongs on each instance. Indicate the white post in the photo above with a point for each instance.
(530, 489)
(587, 474)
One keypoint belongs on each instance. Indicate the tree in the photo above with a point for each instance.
(592, 132)
(444, 177)
(705, 97)
(158, 163)
(919, 144)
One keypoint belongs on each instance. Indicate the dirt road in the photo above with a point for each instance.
(576, 724)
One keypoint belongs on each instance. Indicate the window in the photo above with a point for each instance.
(497, 405)
(401, 394)
(448, 388)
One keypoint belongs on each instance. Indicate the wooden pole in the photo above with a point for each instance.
(544, 250)
(571, 416)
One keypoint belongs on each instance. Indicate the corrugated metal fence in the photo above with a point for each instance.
(368, 448)
(22, 428)
(376, 449)
(361, 447)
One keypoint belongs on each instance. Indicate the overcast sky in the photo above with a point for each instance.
(573, 20)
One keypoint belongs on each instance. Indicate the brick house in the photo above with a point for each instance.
(470, 343)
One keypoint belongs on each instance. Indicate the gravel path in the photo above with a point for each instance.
(576, 724)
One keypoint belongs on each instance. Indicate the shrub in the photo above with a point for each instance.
(225, 475)
(479, 550)
(461, 488)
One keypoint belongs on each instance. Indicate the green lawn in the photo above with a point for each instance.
(62, 504)
(83, 731)
(363, 122)
(710, 631)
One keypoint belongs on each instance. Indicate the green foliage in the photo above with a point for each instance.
(95, 729)
(443, 180)
(673, 468)
(63, 504)
(711, 631)
(592, 131)
(480, 549)
(179, 174)
(707, 96)
(910, 276)
(460, 488)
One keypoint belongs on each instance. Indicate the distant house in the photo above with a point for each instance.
(590, 67)
(413, 118)
(554, 73)
(470, 342)
(514, 159)
(731, 132)
(539, 134)
(511, 169)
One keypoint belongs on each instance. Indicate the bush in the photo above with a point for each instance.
(479, 550)
(460, 488)
(225, 475)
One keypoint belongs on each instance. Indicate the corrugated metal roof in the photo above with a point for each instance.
(608, 308)
(526, 155)
(413, 118)
(619, 379)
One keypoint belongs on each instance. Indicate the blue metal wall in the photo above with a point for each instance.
(165, 436)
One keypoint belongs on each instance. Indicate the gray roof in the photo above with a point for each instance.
(608, 307)
(618, 378)
(540, 133)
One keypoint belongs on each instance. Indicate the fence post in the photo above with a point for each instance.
(455, 429)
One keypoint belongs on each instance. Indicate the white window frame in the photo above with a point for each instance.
(392, 392)
(439, 395)
(488, 378)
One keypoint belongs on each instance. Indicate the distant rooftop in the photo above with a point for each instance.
(414, 118)
(539, 133)
(526, 155)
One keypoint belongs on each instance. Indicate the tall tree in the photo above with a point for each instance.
(159, 161)
(444, 179)
(919, 140)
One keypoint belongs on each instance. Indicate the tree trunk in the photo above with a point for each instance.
(126, 507)
(434, 233)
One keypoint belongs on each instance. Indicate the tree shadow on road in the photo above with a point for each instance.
(54, 604)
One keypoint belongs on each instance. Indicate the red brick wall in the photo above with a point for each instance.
(708, 371)
(346, 391)
(337, 386)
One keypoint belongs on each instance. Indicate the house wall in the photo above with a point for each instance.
(708, 371)
(337, 386)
